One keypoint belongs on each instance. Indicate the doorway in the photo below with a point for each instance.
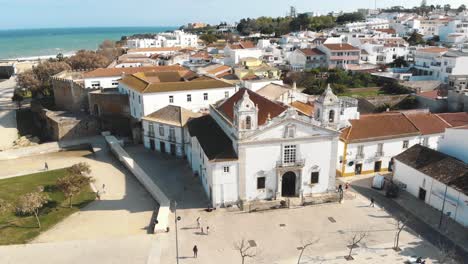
(162, 147)
(422, 194)
(288, 184)
(377, 166)
(358, 169)
(152, 145)
(173, 149)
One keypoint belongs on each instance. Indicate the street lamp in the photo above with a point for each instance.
(177, 219)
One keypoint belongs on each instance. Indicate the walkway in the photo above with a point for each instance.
(8, 127)
(424, 219)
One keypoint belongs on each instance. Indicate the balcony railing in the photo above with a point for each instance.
(360, 156)
(296, 163)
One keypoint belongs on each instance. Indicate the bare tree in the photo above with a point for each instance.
(354, 241)
(245, 250)
(73, 183)
(304, 246)
(400, 225)
(81, 168)
(31, 203)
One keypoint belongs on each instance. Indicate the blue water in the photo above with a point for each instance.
(21, 43)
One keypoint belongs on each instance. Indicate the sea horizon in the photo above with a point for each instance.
(48, 42)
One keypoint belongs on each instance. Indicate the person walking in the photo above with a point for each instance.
(195, 251)
(103, 188)
(198, 222)
(98, 195)
(46, 166)
(372, 202)
(207, 230)
(347, 186)
(201, 231)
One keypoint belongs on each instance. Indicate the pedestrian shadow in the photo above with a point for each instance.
(189, 228)
(186, 257)
(380, 216)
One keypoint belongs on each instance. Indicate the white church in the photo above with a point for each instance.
(251, 148)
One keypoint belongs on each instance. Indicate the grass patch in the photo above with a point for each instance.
(21, 229)
(362, 92)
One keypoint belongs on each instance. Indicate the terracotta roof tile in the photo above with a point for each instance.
(312, 52)
(110, 72)
(378, 126)
(433, 50)
(306, 109)
(154, 49)
(427, 123)
(454, 119)
(265, 107)
(172, 115)
(343, 46)
(154, 82)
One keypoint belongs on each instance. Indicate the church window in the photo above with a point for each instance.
(289, 155)
(314, 177)
(248, 122)
(261, 183)
(331, 116)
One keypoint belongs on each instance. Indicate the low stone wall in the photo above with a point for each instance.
(145, 180)
(43, 149)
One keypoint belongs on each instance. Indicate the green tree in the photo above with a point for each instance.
(415, 39)
(350, 17)
(37, 80)
(447, 8)
(86, 60)
(209, 38)
(31, 203)
(461, 8)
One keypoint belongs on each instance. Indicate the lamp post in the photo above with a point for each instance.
(443, 206)
(177, 219)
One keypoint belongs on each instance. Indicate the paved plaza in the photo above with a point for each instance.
(114, 230)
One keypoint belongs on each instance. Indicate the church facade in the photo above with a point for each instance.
(251, 148)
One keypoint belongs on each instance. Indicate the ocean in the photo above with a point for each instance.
(32, 43)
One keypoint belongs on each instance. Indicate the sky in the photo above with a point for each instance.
(16, 14)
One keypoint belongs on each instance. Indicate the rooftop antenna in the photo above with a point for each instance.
(293, 12)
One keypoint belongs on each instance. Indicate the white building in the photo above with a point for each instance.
(151, 91)
(250, 148)
(109, 77)
(454, 143)
(436, 178)
(177, 38)
(306, 59)
(441, 63)
(163, 130)
(370, 24)
(340, 55)
(370, 143)
(233, 53)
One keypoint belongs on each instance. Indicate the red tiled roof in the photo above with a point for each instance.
(312, 52)
(342, 46)
(306, 109)
(454, 119)
(109, 72)
(265, 107)
(427, 123)
(433, 50)
(387, 125)
(243, 45)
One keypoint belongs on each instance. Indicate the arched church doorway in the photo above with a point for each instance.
(288, 184)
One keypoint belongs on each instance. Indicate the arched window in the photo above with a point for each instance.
(248, 122)
(331, 116)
